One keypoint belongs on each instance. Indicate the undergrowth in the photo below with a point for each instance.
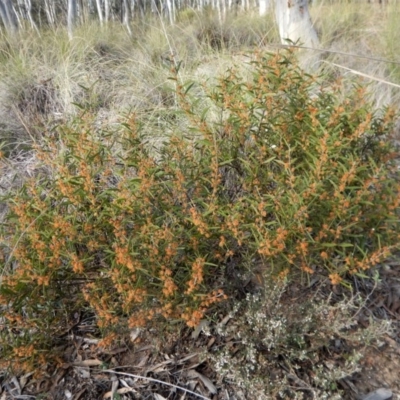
(276, 170)
(286, 349)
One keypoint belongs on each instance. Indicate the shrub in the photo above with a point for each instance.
(283, 348)
(278, 170)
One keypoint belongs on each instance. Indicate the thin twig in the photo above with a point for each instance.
(335, 52)
(355, 72)
(156, 381)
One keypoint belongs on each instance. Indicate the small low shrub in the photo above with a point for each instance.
(277, 170)
(287, 349)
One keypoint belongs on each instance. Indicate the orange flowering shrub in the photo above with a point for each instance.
(286, 171)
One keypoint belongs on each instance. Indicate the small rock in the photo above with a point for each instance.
(379, 394)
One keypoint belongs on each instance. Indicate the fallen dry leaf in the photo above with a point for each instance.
(158, 397)
(135, 334)
(84, 372)
(143, 361)
(182, 360)
(79, 394)
(119, 391)
(203, 324)
(159, 367)
(88, 363)
(207, 383)
(16, 384)
(24, 379)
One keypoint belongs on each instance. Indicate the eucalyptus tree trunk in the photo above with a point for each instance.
(294, 23)
(222, 4)
(4, 17)
(8, 16)
(263, 7)
(106, 10)
(83, 12)
(28, 11)
(72, 16)
(125, 16)
(170, 11)
(99, 11)
(295, 26)
(132, 7)
(49, 9)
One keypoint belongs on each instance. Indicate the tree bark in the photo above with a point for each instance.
(295, 26)
(8, 16)
(99, 11)
(28, 10)
(106, 10)
(72, 15)
(264, 6)
(170, 11)
(49, 13)
(125, 16)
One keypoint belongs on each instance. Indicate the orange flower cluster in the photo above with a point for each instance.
(194, 316)
(24, 351)
(136, 296)
(335, 278)
(197, 275)
(123, 257)
(233, 224)
(108, 341)
(273, 246)
(77, 264)
(198, 222)
(140, 318)
(169, 286)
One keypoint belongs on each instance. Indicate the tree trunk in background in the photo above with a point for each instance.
(3, 14)
(106, 10)
(49, 14)
(264, 6)
(125, 16)
(99, 11)
(171, 16)
(294, 23)
(295, 26)
(83, 12)
(8, 16)
(28, 11)
(72, 15)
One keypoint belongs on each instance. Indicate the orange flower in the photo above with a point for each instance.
(77, 265)
(324, 255)
(335, 278)
(197, 275)
(169, 287)
(307, 269)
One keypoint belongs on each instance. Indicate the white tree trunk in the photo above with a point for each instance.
(28, 10)
(295, 26)
(99, 11)
(72, 15)
(125, 16)
(170, 12)
(264, 6)
(106, 10)
(8, 15)
(49, 13)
